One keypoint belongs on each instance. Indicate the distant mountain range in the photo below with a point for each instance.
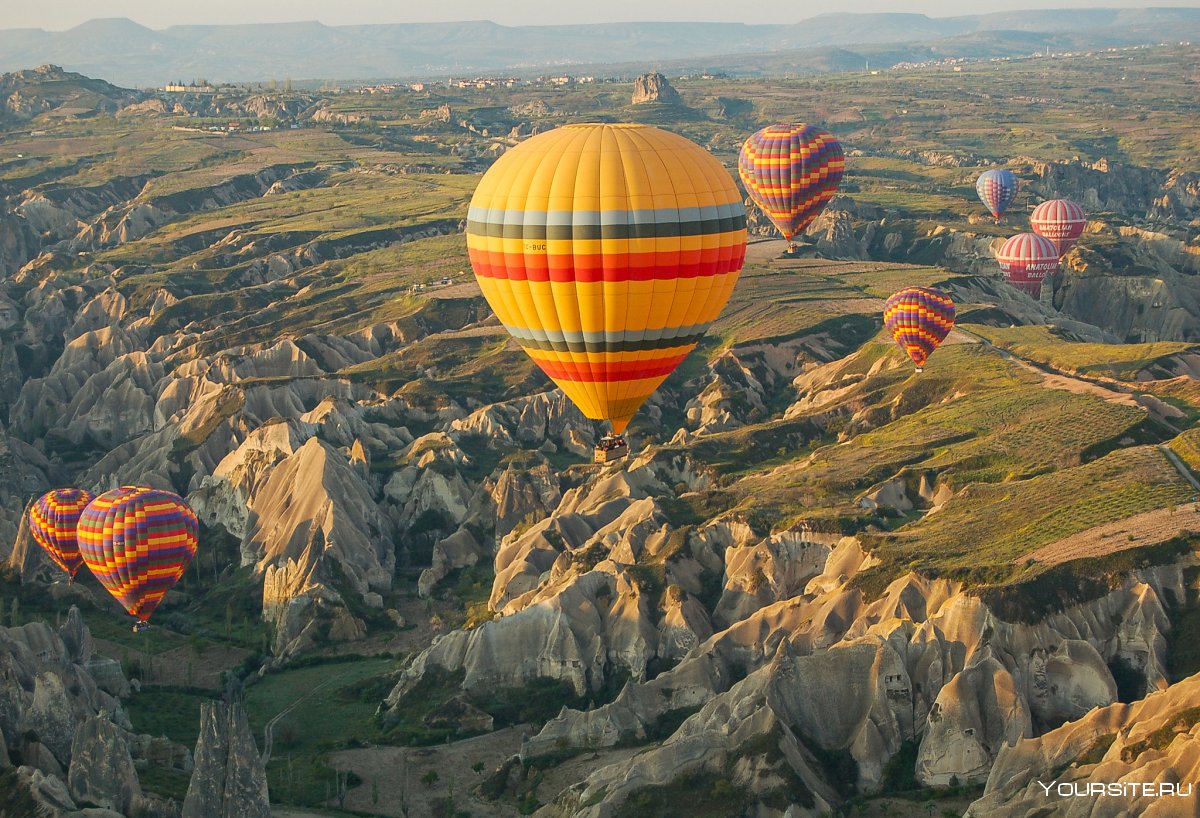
(125, 52)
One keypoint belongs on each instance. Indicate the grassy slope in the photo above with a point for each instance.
(1040, 343)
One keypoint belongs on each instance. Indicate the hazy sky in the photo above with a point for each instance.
(61, 14)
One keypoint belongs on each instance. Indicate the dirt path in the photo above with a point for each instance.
(1180, 467)
(392, 775)
(269, 729)
(1111, 391)
(1148, 528)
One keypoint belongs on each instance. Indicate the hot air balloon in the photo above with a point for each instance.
(606, 250)
(52, 522)
(919, 318)
(1026, 259)
(791, 171)
(997, 189)
(138, 542)
(1060, 220)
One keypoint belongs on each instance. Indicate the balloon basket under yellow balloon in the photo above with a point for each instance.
(610, 448)
(140, 626)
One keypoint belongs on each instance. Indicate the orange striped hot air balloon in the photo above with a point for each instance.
(52, 522)
(606, 250)
(138, 542)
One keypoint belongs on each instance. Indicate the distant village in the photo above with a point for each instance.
(203, 88)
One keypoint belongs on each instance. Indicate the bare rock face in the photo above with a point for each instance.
(229, 780)
(732, 397)
(653, 88)
(69, 735)
(50, 716)
(524, 495)
(314, 514)
(977, 714)
(1153, 741)
(23, 473)
(102, 771)
(459, 550)
(924, 663)
(48, 791)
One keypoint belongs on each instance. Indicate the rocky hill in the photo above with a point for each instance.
(49, 89)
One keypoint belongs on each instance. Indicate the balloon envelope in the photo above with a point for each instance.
(52, 522)
(138, 542)
(919, 319)
(791, 171)
(606, 250)
(997, 189)
(1026, 259)
(1059, 220)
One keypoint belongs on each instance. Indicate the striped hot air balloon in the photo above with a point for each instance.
(1026, 259)
(919, 319)
(52, 522)
(997, 190)
(138, 542)
(1060, 220)
(606, 250)
(791, 171)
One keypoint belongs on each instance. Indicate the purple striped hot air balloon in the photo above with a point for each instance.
(53, 521)
(791, 171)
(997, 190)
(138, 542)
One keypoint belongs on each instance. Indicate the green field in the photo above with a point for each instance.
(1042, 344)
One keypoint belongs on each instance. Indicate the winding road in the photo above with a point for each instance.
(269, 730)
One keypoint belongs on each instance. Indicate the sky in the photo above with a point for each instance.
(63, 14)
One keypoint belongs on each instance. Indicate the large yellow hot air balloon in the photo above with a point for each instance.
(607, 250)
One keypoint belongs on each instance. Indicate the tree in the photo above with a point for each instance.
(430, 778)
(477, 768)
(343, 787)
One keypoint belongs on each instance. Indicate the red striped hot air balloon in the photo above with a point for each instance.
(52, 522)
(138, 542)
(791, 171)
(1026, 259)
(1060, 220)
(919, 319)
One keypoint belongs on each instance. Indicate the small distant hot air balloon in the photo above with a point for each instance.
(138, 542)
(791, 171)
(997, 189)
(1060, 220)
(606, 250)
(52, 522)
(919, 319)
(1026, 259)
